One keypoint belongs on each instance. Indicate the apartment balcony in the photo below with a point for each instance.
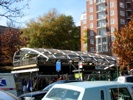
(101, 10)
(128, 14)
(128, 18)
(101, 18)
(128, 1)
(128, 6)
(101, 26)
(128, 10)
(99, 2)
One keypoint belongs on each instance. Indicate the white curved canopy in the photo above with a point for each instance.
(26, 56)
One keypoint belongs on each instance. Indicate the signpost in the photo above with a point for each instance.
(58, 67)
(80, 64)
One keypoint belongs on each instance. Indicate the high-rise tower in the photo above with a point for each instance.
(101, 18)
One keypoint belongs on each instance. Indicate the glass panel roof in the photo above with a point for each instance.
(31, 54)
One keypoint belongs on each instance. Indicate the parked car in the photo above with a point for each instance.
(4, 95)
(38, 95)
(125, 78)
(90, 90)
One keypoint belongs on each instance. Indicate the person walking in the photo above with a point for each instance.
(24, 85)
(30, 86)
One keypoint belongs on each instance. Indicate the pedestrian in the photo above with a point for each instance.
(35, 84)
(30, 86)
(43, 83)
(24, 85)
(60, 78)
(53, 80)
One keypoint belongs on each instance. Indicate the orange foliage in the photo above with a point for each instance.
(10, 42)
(123, 45)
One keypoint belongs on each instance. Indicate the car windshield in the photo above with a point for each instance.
(63, 94)
(50, 86)
(58, 82)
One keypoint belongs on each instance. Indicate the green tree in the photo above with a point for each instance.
(123, 45)
(53, 30)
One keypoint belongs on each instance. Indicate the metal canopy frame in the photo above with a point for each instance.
(27, 56)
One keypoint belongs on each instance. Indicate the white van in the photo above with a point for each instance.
(7, 83)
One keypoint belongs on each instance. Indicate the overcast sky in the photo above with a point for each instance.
(40, 7)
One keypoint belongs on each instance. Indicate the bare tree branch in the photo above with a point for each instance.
(12, 9)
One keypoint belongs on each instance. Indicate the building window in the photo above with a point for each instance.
(91, 25)
(111, 4)
(90, 1)
(101, 7)
(99, 48)
(101, 15)
(112, 13)
(121, 5)
(104, 39)
(122, 13)
(91, 9)
(102, 31)
(84, 27)
(100, 1)
(91, 33)
(101, 44)
(101, 23)
(112, 29)
(91, 41)
(91, 17)
(91, 49)
(84, 16)
(84, 22)
(112, 38)
(99, 40)
(122, 21)
(85, 46)
(112, 21)
(104, 47)
(128, 5)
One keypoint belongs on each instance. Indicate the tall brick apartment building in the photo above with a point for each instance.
(100, 20)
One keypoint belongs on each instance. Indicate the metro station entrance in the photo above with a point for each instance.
(43, 61)
(39, 63)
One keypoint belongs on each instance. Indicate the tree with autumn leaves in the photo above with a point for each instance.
(10, 42)
(123, 46)
(9, 38)
(53, 30)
